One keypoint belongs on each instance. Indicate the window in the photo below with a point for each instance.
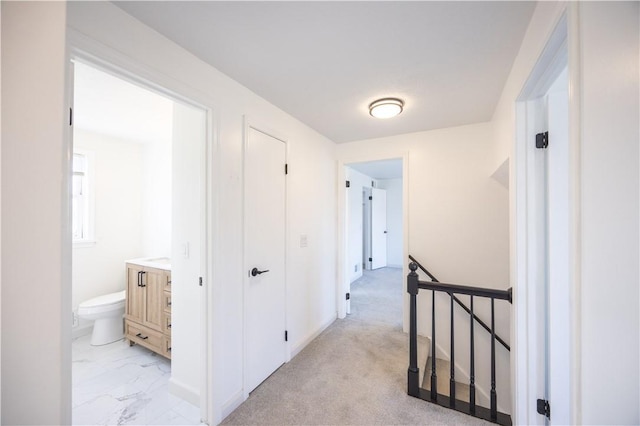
(81, 205)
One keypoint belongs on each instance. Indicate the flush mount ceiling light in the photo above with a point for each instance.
(386, 108)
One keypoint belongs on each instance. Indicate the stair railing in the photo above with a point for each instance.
(413, 286)
(461, 304)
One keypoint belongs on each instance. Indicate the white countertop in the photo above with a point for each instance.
(153, 262)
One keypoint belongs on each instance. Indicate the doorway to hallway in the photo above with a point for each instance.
(374, 219)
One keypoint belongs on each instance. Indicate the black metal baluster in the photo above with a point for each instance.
(434, 381)
(472, 368)
(494, 396)
(452, 365)
(413, 374)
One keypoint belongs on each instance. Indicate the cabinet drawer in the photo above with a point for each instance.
(144, 336)
(166, 323)
(166, 347)
(167, 302)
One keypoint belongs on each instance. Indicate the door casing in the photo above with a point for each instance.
(107, 59)
(526, 205)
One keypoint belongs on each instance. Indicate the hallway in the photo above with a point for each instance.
(355, 372)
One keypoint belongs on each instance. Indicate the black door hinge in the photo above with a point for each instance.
(544, 408)
(348, 184)
(370, 197)
(200, 281)
(370, 259)
(542, 140)
(286, 169)
(348, 296)
(286, 336)
(70, 116)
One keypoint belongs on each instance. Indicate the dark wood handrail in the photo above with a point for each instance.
(455, 288)
(463, 289)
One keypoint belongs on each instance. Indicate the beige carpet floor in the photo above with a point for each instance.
(354, 373)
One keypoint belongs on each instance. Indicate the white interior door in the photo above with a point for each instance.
(265, 347)
(378, 228)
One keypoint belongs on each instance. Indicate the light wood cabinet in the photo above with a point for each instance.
(148, 308)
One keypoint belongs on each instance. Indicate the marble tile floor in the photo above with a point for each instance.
(118, 384)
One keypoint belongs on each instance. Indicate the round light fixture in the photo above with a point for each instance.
(386, 108)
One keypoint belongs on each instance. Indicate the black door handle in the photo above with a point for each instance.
(255, 272)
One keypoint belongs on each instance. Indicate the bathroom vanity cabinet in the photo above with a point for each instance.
(148, 307)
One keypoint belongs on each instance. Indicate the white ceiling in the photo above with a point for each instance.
(324, 62)
(381, 169)
(110, 106)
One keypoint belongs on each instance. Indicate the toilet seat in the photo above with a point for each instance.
(104, 300)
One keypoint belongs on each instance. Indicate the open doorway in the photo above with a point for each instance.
(374, 230)
(138, 212)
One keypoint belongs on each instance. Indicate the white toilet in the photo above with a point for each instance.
(107, 312)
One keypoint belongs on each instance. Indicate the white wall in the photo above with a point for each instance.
(357, 182)
(394, 221)
(117, 182)
(609, 213)
(311, 186)
(156, 198)
(36, 296)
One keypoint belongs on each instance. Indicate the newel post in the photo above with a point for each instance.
(413, 373)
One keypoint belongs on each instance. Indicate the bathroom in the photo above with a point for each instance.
(135, 152)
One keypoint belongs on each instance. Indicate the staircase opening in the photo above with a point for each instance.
(473, 392)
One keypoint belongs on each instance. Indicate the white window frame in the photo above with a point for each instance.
(88, 215)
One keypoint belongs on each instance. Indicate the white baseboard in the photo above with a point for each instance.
(295, 350)
(395, 266)
(232, 403)
(81, 330)
(185, 392)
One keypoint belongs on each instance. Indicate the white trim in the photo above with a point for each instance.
(231, 404)
(87, 50)
(185, 392)
(82, 330)
(575, 254)
(300, 346)
(211, 407)
(89, 222)
(265, 128)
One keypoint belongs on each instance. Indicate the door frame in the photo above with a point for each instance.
(91, 52)
(343, 283)
(561, 51)
(262, 127)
